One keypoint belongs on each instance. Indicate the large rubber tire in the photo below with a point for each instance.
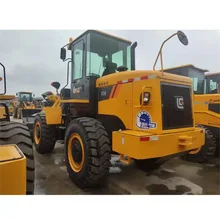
(17, 133)
(149, 164)
(47, 136)
(217, 151)
(207, 151)
(96, 149)
(15, 112)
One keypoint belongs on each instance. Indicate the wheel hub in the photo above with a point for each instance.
(76, 152)
(38, 132)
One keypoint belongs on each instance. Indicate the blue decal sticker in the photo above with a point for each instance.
(143, 121)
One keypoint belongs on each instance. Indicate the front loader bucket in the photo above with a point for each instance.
(28, 116)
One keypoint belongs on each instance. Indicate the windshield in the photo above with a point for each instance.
(105, 54)
(212, 83)
(25, 97)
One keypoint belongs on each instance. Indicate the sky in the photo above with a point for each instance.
(32, 58)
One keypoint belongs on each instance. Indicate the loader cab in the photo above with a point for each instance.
(196, 74)
(93, 55)
(25, 97)
(212, 83)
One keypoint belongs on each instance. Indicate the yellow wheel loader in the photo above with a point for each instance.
(25, 106)
(25, 109)
(142, 115)
(16, 152)
(206, 109)
(38, 102)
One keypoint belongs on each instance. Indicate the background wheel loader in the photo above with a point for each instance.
(145, 115)
(38, 102)
(16, 152)
(25, 109)
(206, 108)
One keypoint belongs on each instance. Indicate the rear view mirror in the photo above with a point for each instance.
(56, 85)
(63, 53)
(33, 95)
(16, 94)
(182, 38)
(2, 78)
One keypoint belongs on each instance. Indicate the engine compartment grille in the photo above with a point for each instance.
(176, 106)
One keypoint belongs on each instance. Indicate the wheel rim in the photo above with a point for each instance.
(37, 133)
(76, 152)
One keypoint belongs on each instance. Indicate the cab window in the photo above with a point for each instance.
(78, 60)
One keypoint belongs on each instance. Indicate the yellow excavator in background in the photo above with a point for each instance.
(145, 116)
(17, 167)
(206, 89)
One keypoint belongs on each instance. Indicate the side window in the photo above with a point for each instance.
(213, 85)
(94, 64)
(78, 60)
(195, 83)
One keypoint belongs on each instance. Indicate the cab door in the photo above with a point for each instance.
(78, 85)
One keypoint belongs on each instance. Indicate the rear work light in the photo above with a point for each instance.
(146, 98)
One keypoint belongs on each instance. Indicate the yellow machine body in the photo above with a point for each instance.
(203, 115)
(12, 170)
(53, 98)
(2, 112)
(143, 145)
(55, 111)
(124, 102)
